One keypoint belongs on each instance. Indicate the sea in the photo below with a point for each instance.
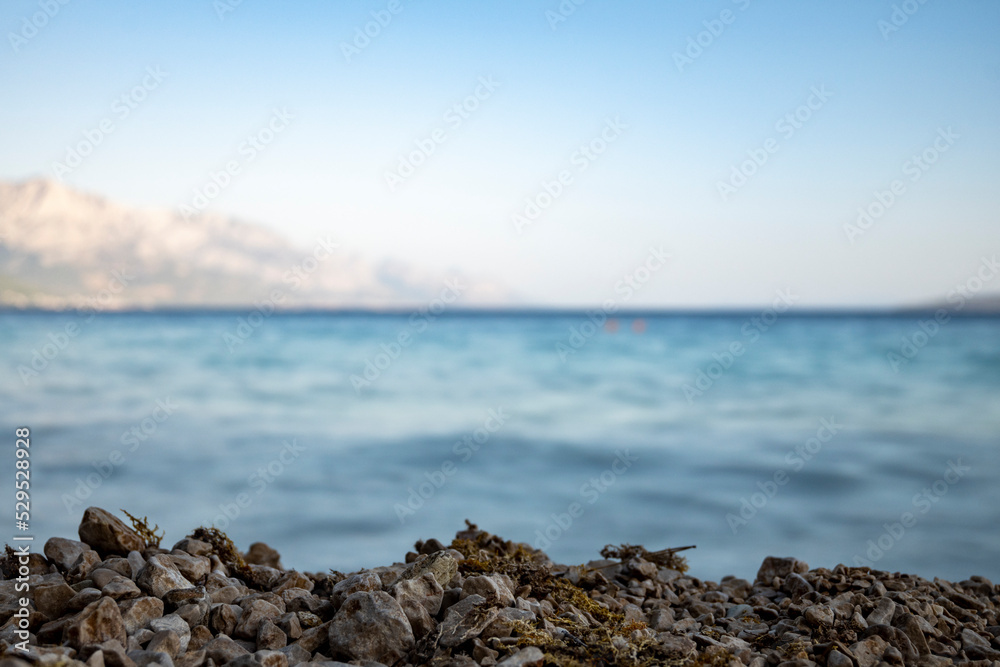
(342, 438)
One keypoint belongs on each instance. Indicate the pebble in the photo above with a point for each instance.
(107, 534)
(108, 600)
(371, 625)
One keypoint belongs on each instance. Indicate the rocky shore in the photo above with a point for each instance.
(115, 598)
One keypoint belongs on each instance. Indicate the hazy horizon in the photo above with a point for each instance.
(748, 166)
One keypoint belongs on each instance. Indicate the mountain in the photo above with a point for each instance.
(60, 248)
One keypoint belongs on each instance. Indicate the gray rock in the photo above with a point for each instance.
(261, 554)
(370, 625)
(194, 613)
(362, 581)
(64, 552)
(882, 613)
(739, 611)
(136, 561)
(423, 590)
(165, 641)
(465, 620)
(254, 612)
(191, 659)
(270, 636)
(491, 587)
(101, 575)
(296, 654)
(262, 658)
(192, 568)
(200, 635)
(98, 622)
(121, 588)
(107, 534)
(263, 576)
(442, 565)
(868, 652)
(972, 638)
(819, 615)
(112, 654)
(51, 595)
(160, 576)
(226, 594)
(290, 625)
(222, 649)
(139, 612)
(176, 624)
(796, 586)
(142, 636)
(143, 658)
(84, 564)
(531, 656)
(837, 659)
(910, 626)
(223, 618)
(293, 579)
(313, 638)
(779, 567)
(193, 547)
(181, 596)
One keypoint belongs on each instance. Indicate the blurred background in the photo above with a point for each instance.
(339, 277)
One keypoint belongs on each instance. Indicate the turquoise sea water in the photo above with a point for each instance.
(342, 439)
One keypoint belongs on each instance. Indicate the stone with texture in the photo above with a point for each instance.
(64, 552)
(160, 576)
(222, 649)
(370, 625)
(107, 534)
(531, 656)
(137, 613)
(868, 652)
(98, 622)
(466, 619)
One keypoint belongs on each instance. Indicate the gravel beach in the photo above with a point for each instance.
(116, 598)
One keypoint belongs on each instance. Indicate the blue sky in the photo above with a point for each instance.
(887, 97)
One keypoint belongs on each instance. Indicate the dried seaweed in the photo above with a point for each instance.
(148, 535)
(664, 557)
(223, 547)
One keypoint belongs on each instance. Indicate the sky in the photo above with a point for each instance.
(741, 138)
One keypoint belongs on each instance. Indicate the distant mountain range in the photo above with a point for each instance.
(60, 248)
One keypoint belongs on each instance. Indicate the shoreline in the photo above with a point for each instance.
(113, 598)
